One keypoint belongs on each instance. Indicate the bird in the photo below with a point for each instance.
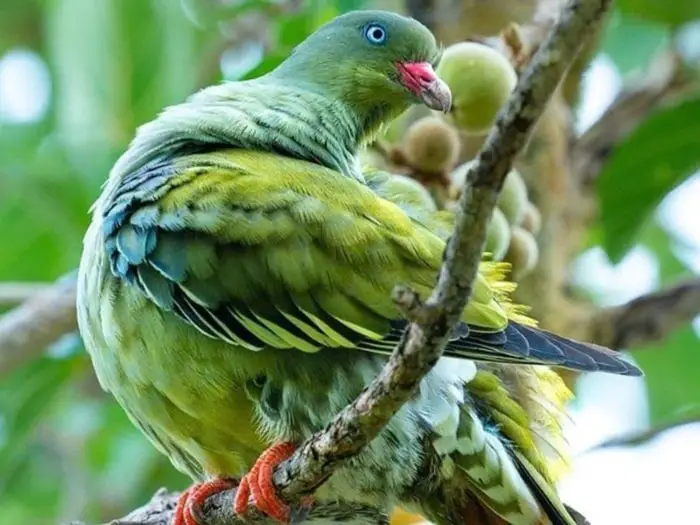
(234, 291)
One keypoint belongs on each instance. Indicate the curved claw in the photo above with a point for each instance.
(179, 517)
(191, 500)
(258, 485)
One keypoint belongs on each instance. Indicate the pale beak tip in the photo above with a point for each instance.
(437, 96)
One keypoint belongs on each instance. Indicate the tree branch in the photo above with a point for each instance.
(424, 11)
(219, 511)
(432, 322)
(14, 293)
(26, 331)
(648, 318)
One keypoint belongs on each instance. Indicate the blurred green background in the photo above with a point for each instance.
(77, 77)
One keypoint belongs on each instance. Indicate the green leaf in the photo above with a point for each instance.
(290, 30)
(673, 13)
(293, 29)
(669, 364)
(91, 82)
(659, 241)
(20, 25)
(648, 39)
(26, 397)
(162, 53)
(654, 159)
(349, 5)
(671, 372)
(43, 210)
(209, 12)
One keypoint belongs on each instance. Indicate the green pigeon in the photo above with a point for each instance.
(235, 292)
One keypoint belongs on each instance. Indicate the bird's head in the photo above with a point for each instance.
(372, 59)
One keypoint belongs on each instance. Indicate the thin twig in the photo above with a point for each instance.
(26, 331)
(423, 11)
(14, 293)
(647, 318)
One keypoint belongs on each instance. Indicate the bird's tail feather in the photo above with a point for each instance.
(546, 347)
(550, 503)
(522, 344)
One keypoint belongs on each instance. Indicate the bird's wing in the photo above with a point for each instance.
(260, 250)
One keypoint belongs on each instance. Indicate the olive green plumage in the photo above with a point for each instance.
(235, 283)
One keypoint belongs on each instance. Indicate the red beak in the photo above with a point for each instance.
(421, 80)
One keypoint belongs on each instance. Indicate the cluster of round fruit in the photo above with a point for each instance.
(514, 224)
(481, 80)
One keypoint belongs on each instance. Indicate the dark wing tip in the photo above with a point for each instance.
(575, 355)
(607, 360)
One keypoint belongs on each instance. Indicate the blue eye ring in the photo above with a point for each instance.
(375, 34)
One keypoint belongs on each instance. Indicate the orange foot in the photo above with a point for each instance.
(258, 484)
(194, 497)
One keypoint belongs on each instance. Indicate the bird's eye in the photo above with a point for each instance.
(375, 33)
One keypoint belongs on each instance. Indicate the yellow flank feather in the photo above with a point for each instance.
(510, 416)
(495, 274)
(547, 410)
(541, 396)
